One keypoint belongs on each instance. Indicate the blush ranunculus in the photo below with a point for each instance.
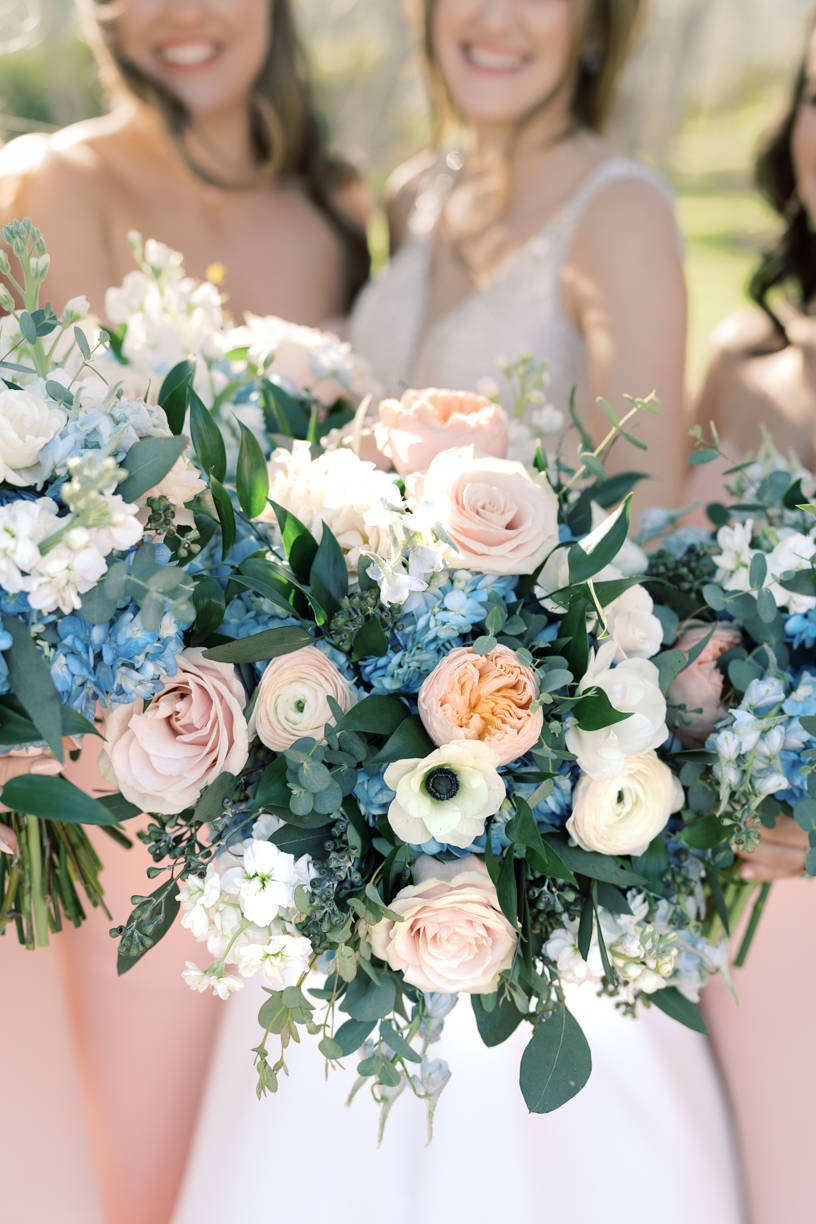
(700, 685)
(482, 697)
(291, 698)
(415, 429)
(621, 815)
(162, 756)
(454, 936)
(502, 518)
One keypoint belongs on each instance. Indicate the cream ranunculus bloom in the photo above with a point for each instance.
(621, 815)
(632, 687)
(502, 518)
(447, 795)
(632, 624)
(26, 424)
(454, 936)
(291, 698)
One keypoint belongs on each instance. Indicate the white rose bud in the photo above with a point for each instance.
(621, 815)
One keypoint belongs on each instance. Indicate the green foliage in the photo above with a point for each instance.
(208, 441)
(174, 395)
(55, 798)
(556, 1063)
(328, 577)
(252, 476)
(498, 1023)
(149, 922)
(148, 462)
(299, 544)
(30, 681)
(676, 1005)
(270, 644)
(208, 601)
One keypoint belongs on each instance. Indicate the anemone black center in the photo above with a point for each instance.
(441, 783)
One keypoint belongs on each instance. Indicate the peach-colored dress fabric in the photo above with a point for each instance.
(102, 1086)
(764, 1049)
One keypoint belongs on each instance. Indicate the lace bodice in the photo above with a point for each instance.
(517, 312)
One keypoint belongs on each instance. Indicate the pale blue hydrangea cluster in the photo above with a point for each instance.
(114, 662)
(434, 622)
(556, 808)
(100, 422)
(800, 629)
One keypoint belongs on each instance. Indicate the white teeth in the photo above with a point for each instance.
(495, 60)
(188, 54)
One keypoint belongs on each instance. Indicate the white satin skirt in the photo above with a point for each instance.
(648, 1140)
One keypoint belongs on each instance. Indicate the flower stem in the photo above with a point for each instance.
(38, 902)
(756, 914)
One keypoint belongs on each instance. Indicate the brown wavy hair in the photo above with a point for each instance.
(287, 131)
(792, 258)
(606, 34)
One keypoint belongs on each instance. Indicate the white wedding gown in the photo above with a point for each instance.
(648, 1141)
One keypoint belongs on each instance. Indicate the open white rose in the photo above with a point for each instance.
(27, 423)
(621, 815)
(632, 687)
(632, 624)
(447, 795)
(291, 698)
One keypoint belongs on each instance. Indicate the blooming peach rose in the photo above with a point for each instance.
(162, 756)
(415, 429)
(291, 701)
(700, 686)
(502, 518)
(482, 697)
(453, 936)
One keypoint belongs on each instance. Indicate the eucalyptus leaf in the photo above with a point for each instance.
(269, 644)
(497, 1025)
(147, 463)
(676, 1005)
(556, 1063)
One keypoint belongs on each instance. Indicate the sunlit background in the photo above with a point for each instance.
(708, 78)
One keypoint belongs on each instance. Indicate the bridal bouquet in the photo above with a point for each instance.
(94, 593)
(429, 737)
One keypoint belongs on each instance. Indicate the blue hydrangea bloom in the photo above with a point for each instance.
(800, 629)
(372, 794)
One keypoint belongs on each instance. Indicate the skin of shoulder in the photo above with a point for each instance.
(623, 288)
(401, 191)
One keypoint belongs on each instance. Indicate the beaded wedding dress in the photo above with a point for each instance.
(648, 1141)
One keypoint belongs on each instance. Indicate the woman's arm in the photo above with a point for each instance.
(623, 287)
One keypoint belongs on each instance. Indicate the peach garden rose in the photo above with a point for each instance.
(418, 427)
(291, 698)
(161, 756)
(500, 517)
(482, 697)
(454, 936)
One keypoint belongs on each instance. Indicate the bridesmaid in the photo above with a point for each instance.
(763, 372)
(548, 243)
(213, 146)
(541, 239)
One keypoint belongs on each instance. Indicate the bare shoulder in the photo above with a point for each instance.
(401, 191)
(746, 333)
(637, 211)
(42, 174)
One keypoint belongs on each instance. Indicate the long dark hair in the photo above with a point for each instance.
(288, 134)
(792, 259)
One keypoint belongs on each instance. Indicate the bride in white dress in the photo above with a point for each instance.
(546, 243)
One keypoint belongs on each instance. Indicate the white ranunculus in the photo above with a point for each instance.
(621, 815)
(632, 687)
(633, 626)
(27, 423)
(447, 795)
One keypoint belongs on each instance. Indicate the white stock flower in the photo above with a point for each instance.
(301, 358)
(200, 980)
(280, 952)
(632, 624)
(62, 576)
(632, 687)
(196, 897)
(268, 884)
(447, 795)
(76, 309)
(562, 947)
(120, 528)
(734, 562)
(23, 524)
(27, 423)
(621, 815)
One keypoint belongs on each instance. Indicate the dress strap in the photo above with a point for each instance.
(562, 227)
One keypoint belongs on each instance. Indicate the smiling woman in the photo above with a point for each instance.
(212, 136)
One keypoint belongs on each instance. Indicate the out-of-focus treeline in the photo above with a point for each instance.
(707, 78)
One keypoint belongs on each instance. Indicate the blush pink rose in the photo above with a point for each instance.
(454, 936)
(415, 429)
(482, 697)
(700, 686)
(501, 518)
(162, 756)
